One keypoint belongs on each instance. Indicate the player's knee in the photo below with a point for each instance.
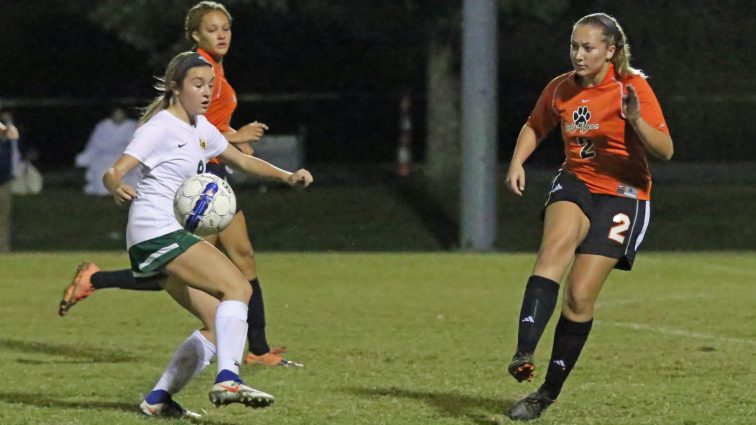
(557, 248)
(243, 257)
(245, 290)
(579, 304)
(552, 260)
(239, 290)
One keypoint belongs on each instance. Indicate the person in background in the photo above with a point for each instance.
(208, 26)
(106, 143)
(9, 135)
(598, 208)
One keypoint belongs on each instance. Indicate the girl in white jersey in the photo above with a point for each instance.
(174, 141)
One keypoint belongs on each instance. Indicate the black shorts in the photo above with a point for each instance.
(221, 171)
(618, 224)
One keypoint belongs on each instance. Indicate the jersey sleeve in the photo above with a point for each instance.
(216, 142)
(218, 113)
(650, 109)
(145, 145)
(543, 118)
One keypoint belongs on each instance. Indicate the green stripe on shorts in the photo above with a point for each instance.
(148, 256)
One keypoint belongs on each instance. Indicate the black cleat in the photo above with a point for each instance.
(521, 367)
(530, 407)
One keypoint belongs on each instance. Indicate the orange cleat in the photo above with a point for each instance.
(271, 358)
(522, 367)
(80, 287)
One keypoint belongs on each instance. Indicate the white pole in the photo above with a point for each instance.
(479, 124)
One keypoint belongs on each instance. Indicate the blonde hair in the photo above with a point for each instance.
(613, 35)
(174, 76)
(195, 14)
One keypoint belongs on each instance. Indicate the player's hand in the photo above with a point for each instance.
(124, 194)
(631, 105)
(253, 131)
(301, 178)
(10, 132)
(515, 180)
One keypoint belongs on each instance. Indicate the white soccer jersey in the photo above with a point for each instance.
(170, 151)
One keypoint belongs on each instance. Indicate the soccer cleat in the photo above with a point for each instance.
(227, 392)
(271, 358)
(521, 367)
(167, 409)
(530, 407)
(80, 287)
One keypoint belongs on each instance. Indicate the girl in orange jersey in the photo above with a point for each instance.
(598, 208)
(208, 26)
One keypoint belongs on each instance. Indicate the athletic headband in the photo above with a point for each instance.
(190, 61)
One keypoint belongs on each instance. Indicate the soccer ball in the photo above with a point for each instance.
(204, 204)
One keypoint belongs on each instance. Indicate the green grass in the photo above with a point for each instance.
(340, 218)
(376, 217)
(392, 339)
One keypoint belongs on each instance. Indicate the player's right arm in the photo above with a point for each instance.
(542, 120)
(527, 141)
(112, 179)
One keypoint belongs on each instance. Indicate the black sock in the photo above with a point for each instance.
(537, 307)
(569, 340)
(124, 279)
(258, 343)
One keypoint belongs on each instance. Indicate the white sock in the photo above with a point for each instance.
(190, 358)
(230, 334)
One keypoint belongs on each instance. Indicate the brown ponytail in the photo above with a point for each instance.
(174, 75)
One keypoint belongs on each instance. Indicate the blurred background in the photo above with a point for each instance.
(341, 77)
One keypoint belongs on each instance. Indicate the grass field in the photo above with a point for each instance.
(392, 339)
(377, 216)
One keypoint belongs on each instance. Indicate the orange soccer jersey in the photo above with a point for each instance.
(223, 100)
(601, 148)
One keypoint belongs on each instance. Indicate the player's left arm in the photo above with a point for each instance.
(656, 141)
(264, 169)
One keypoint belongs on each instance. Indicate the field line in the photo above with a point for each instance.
(678, 332)
(620, 301)
(739, 269)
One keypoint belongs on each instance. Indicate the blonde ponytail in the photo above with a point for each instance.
(161, 102)
(613, 35)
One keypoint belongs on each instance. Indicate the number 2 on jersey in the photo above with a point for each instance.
(587, 151)
(616, 232)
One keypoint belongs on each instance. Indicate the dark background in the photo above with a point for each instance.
(62, 71)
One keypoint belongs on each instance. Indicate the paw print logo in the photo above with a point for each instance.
(581, 116)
